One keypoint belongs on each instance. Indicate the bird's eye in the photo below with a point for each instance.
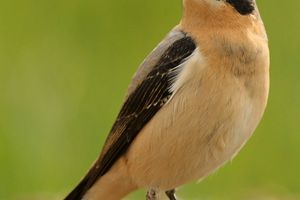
(244, 7)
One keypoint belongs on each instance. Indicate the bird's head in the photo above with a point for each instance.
(243, 7)
(220, 13)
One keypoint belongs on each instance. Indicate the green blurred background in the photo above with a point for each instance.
(64, 69)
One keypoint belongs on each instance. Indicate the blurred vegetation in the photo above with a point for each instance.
(64, 69)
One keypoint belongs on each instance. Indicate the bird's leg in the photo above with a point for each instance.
(152, 194)
(171, 194)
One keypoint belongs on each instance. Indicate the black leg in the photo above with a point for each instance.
(171, 194)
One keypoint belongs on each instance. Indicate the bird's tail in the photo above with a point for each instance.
(113, 185)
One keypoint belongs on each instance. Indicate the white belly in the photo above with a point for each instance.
(204, 125)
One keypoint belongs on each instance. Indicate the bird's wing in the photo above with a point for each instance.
(149, 91)
(152, 59)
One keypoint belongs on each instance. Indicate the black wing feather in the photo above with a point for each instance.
(138, 109)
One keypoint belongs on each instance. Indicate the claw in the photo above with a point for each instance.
(152, 194)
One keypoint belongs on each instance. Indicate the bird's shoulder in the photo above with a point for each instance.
(154, 56)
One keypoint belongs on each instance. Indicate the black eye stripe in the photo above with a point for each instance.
(244, 7)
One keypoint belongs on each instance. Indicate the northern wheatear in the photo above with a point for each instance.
(192, 105)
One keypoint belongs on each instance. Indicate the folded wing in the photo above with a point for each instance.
(149, 91)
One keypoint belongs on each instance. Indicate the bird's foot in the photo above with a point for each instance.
(152, 194)
(171, 194)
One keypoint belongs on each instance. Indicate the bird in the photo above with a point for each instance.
(191, 106)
